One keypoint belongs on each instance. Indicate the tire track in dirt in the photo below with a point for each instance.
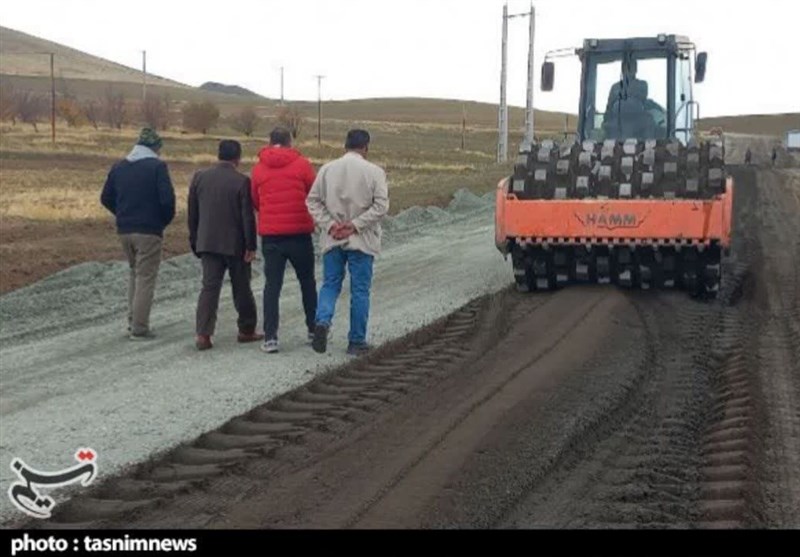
(335, 401)
(384, 472)
(733, 440)
(298, 425)
(640, 468)
(777, 308)
(467, 425)
(687, 451)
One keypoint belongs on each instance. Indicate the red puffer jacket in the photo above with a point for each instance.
(279, 185)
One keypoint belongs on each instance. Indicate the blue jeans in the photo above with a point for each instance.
(360, 266)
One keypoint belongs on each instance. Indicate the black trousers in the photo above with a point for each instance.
(299, 251)
(214, 267)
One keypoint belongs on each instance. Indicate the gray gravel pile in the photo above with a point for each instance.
(91, 291)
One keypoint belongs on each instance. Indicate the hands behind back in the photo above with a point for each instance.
(342, 230)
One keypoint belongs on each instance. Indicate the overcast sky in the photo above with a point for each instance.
(424, 48)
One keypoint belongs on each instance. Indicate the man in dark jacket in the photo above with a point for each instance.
(280, 183)
(138, 192)
(222, 233)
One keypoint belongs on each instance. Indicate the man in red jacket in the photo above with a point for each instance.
(280, 183)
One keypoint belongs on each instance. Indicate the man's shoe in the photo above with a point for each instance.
(311, 334)
(320, 341)
(203, 342)
(358, 349)
(147, 335)
(249, 337)
(270, 346)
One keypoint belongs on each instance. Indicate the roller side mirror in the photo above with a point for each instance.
(548, 75)
(700, 67)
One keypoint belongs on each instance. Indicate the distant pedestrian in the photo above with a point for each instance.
(138, 192)
(348, 200)
(222, 233)
(748, 157)
(280, 184)
(774, 155)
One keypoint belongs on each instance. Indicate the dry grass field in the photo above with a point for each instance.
(50, 215)
(51, 218)
(60, 181)
(761, 124)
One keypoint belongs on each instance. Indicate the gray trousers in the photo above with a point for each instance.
(214, 267)
(144, 257)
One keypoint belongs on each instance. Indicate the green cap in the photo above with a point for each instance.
(149, 138)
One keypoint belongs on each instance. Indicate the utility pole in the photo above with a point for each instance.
(502, 114)
(144, 76)
(529, 97)
(52, 97)
(281, 85)
(319, 108)
(463, 125)
(502, 141)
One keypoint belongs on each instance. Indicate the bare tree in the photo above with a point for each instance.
(200, 117)
(67, 105)
(290, 118)
(245, 121)
(93, 112)
(71, 111)
(30, 108)
(167, 100)
(155, 111)
(8, 103)
(114, 108)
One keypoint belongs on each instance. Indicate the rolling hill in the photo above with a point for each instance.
(214, 87)
(85, 75)
(25, 55)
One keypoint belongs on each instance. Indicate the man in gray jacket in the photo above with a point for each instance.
(348, 200)
(222, 233)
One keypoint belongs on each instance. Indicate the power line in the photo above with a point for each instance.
(529, 115)
(52, 97)
(281, 85)
(144, 76)
(502, 113)
(502, 116)
(319, 108)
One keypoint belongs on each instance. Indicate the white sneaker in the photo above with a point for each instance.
(270, 346)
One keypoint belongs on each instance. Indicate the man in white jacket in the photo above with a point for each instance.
(348, 200)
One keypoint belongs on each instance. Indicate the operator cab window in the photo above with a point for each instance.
(684, 115)
(627, 108)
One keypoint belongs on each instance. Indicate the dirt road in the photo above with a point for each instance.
(586, 407)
